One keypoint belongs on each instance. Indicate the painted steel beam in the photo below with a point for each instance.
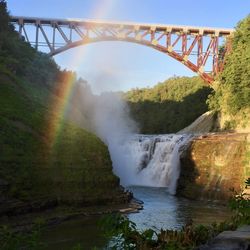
(192, 46)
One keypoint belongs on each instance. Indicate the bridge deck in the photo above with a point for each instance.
(141, 26)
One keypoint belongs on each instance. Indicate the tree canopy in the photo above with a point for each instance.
(232, 92)
(169, 106)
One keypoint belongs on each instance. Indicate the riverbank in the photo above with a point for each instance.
(56, 215)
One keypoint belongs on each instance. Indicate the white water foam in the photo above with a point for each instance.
(151, 160)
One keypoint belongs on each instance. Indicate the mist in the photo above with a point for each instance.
(148, 160)
(106, 115)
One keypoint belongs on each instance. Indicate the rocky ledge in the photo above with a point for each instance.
(230, 240)
(213, 164)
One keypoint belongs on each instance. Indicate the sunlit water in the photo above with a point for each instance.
(161, 210)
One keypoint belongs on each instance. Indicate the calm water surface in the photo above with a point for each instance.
(68, 235)
(161, 210)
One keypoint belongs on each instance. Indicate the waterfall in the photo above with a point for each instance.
(150, 160)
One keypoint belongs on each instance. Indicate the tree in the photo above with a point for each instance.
(169, 106)
(4, 17)
(233, 87)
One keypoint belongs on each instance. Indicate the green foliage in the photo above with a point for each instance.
(124, 235)
(229, 125)
(78, 167)
(77, 247)
(11, 240)
(240, 205)
(43, 70)
(169, 106)
(74, 164)
(4, 18)
(232, 90)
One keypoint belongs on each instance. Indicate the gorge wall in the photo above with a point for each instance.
(213, 164)
(45, 160)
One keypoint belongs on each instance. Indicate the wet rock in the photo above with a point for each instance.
(134, 206)
(230, 240)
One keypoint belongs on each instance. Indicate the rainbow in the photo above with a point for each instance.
(65, 86)
(58, 105)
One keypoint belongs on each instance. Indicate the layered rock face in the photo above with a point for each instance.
(214, 164)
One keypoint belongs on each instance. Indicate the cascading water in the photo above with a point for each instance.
(144, 160)
(150, 160)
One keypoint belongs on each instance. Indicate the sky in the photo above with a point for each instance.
(113, 66)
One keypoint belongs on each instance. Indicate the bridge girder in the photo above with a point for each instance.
(189, 45)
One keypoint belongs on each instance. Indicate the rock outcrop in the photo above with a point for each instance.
(203, 124)
(214, 164)
(230, 240)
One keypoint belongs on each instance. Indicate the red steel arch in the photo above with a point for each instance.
(192, 46)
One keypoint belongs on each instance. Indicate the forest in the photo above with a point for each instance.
(169, 106)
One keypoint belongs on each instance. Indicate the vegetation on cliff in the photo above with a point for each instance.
(169, 106)
(232, 88)
(44, 158)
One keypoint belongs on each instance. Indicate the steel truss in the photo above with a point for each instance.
(192, 46)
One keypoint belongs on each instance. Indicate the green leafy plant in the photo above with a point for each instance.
(123, 233)
(240, 205)
(11, 240)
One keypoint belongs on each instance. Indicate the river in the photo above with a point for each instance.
(149, 167)
(160, 210)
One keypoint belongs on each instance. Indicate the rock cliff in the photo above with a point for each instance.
(214, 164)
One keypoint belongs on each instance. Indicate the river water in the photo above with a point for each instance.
(149, 167)
(160, 210)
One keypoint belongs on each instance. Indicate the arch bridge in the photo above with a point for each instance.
(196, 47)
